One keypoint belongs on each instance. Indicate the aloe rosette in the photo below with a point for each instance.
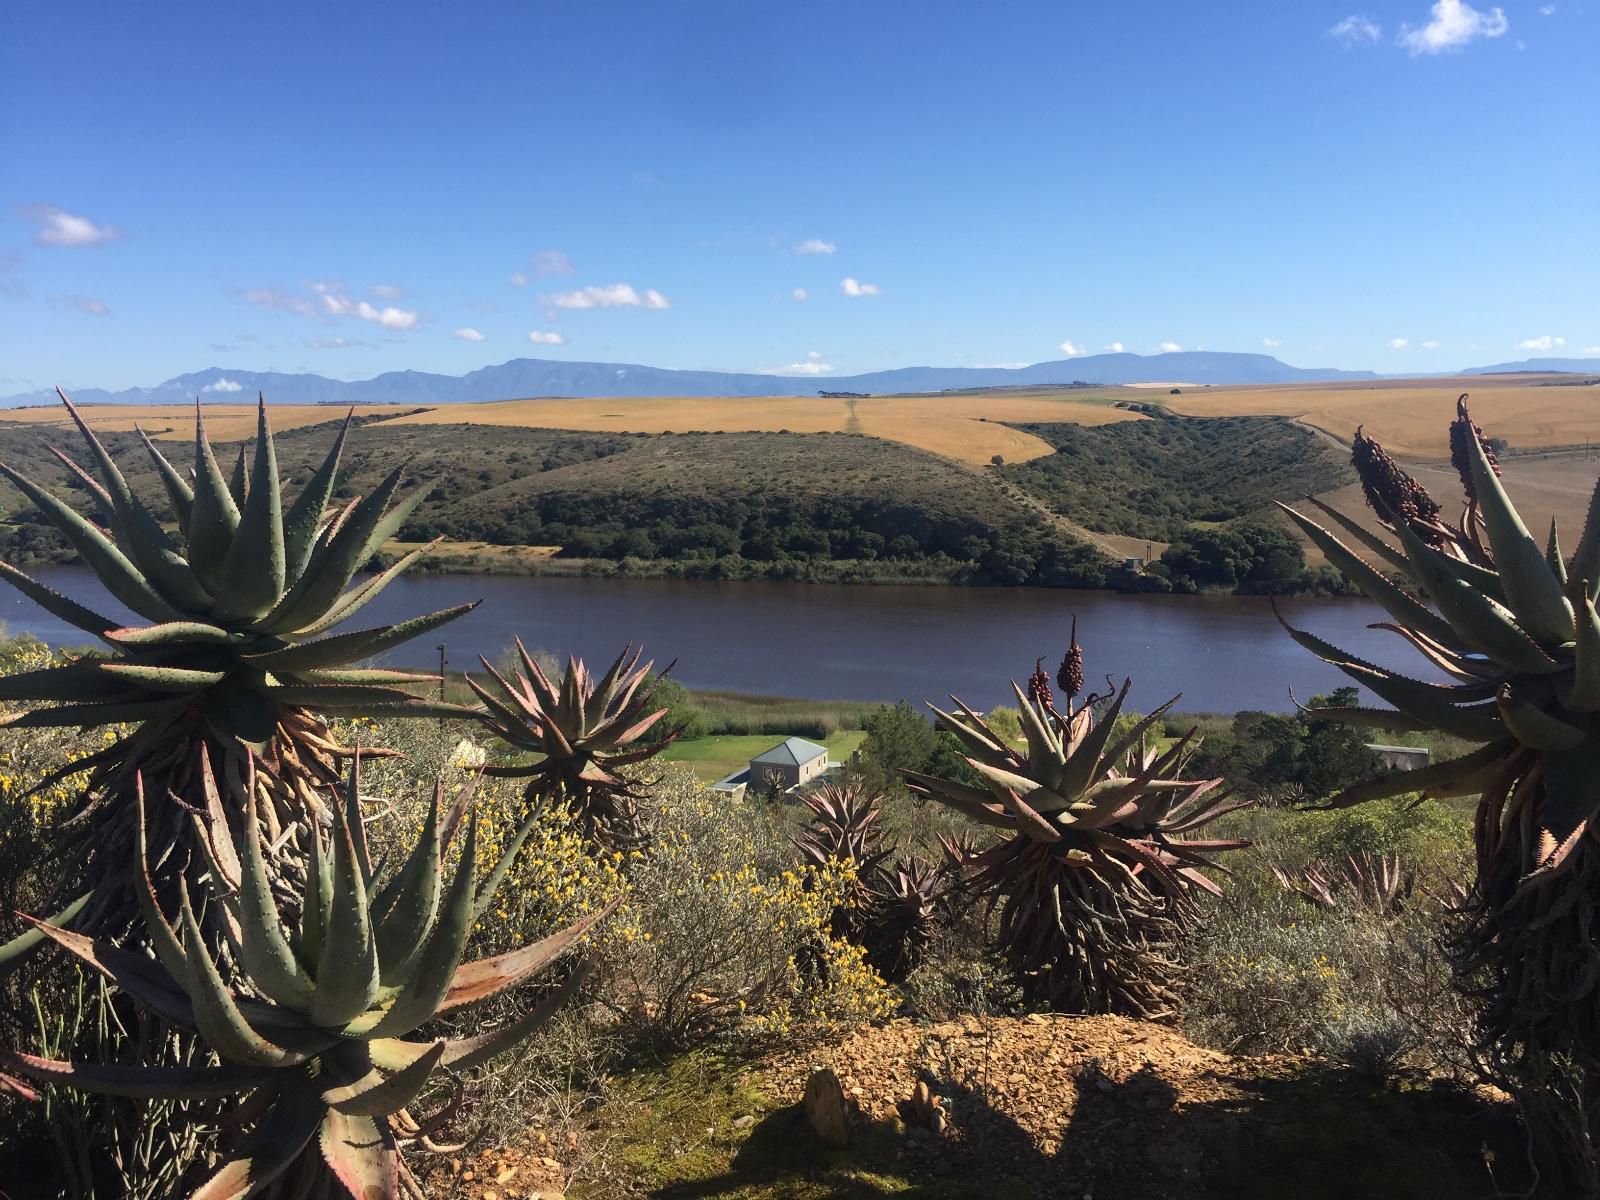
(1511, 626)
(315, 1038)
(583, 730)
(240, 593)
(1096, 870)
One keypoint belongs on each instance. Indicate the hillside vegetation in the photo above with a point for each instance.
(1153, 478)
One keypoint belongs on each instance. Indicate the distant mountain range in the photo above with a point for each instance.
(538, 377)
(1576, 366)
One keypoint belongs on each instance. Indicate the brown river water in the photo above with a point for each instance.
(820, 641)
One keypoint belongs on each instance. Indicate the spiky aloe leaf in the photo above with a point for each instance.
(74, 715)
(216, 1013)
(253, 573)
(137, 974)
(360, 1152)
(169, 950)
(466, 1053)
(376, 1096)
(1535, 594)
(356, 645)
(347, 970)
(81, 681)
(421, 994)
(57, 605)
(1585, 694)
(271, 1148)
(332, 567)
(304, 517)
(1455, 773)
(487, 977)
(404, 911)
(1535, 728)
(508, 856)
(173, 633)
(1571, 792)
(162, 679)
(265, 952)
(13, 951)
(121, 578)
(358, 598)
(214, 517)
(314, 905)
(1085, 761)
(137, 1081)
(179, 492)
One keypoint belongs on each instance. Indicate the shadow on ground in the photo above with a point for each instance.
(1315, 1134)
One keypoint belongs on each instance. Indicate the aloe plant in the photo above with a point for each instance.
(584, 730)
(318, 1065)
(1511, 624)
(1095, 872)
(241, 594)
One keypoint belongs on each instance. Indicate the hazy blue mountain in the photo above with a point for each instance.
(524, 377)
(1579, 366)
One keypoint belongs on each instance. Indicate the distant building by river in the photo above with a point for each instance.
(1401, 758)
(790, 764)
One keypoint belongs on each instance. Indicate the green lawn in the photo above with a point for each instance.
(714, 757)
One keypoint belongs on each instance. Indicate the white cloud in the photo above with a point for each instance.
(1431, 344)
(1355, 29)
(57, 227)
(1454, 23)
(1590, 350)
(1003, 366)
(1547, 10)
(616, 295)
(84, 304)
(1114, 347)
(1272, 343)
(519, 279)
(854, 287)
(277, 298)
(338, 304)
(1547, 342)
(1071, 349)
(336, 343)
(1399, 343)
(800, 293)
(551, 262)
(1170, 347)
(815, 246)
(546, 337)
(224, 385)
(468, 334)
(387, 291)
(813, 365)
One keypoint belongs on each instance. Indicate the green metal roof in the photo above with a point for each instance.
(791, 752)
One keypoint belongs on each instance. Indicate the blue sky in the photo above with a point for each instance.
(352, 188)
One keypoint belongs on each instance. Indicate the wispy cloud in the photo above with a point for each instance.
(1547, 10)
(1272, 343)
(1114, 347)
(615, 295)
(1072, 349)
(336, 343)
(338, 304)
(1453, 24)
(552, 262)
(1169, 347)
(1431, 344)
(854, 287)
(1399, 343)
(387, 291)
(519, 279)
(1546, 342)
(84, 304)
(813, 365)
(280, 300)
(468, 334)
(800, 293)
(223, 385)
(1356, 29)
(223, 348)
(57, 227)
(546, 337)
(815, 246)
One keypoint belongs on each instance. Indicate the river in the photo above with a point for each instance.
(820, 641)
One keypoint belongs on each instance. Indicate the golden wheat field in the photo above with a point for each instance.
(960, 426)
(1409, 416)
(175, 422)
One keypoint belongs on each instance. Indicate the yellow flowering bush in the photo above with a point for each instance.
(722, 930)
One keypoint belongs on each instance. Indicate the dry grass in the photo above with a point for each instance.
(963, 427)
(1409, 416)
(174, 422)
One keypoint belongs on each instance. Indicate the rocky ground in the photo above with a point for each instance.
(1091, 1108)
